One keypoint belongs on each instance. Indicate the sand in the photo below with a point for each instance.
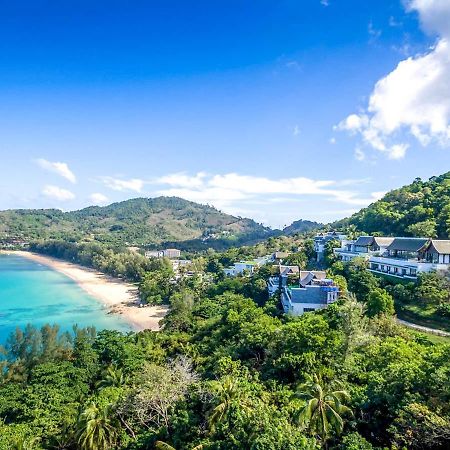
(119, 296)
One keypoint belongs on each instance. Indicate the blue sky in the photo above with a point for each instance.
(272, 110)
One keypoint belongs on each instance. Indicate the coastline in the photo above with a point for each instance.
(118, 296)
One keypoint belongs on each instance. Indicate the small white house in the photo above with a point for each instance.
(239, 268)
(171, 253)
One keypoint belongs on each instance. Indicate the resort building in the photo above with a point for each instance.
(279, 256)
(313, 292)
(364, 246)
(241, 267)
(310, 291)
(171, 253)
(400, 257)
(273, 283)
(321, 240)
(407, 257)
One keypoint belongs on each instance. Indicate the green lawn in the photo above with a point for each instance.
(422, 314)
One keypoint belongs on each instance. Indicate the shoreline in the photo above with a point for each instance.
(119, 297)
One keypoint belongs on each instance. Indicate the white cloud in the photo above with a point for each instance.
(393, 22)
(325, 2)
(182, 180)
(59, 168)
(58, 193)
(332, 141)
(398, 151)
(117, 184)
(359, 154)
(413, 98)
(353, 123)
(373, 32)
(224, 191)
(378, 195)
(296, 130)
(98, 199)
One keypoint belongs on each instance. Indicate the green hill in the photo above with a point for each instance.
(301, 226)
(421, 208)
(140, 221)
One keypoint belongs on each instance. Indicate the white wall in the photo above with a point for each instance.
(297, 308)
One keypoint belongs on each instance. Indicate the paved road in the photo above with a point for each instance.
(422, 328)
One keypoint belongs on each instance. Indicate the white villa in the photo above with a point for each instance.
(400, 257)
(364, 246)
(171, 253)
(240, 267)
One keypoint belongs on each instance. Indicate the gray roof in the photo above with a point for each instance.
(306, 276)
(441, 246)
(280, 254)
(306, 279)
(311, 294)
(407, 244)
(285, 270)
(364, 241)
(383, 241)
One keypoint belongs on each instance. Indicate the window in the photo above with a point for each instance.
(308, 309)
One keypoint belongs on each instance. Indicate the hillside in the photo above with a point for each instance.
(421, 208)
(140, 221)
(301, 226)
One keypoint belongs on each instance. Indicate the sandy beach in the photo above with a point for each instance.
(119, 296)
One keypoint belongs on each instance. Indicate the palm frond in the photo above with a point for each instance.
(160, 445)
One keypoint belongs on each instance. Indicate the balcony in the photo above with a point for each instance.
(402, 268)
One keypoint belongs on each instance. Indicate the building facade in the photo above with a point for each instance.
(311, 291)
(364, 246)
(171, 253)
(321, 239)
(399, 257)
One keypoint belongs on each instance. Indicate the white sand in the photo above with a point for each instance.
(119, 296)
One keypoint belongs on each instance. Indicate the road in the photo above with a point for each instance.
(422, 328)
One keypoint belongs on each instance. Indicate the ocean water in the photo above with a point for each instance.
(36, 294)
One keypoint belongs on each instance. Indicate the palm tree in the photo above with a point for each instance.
(352, 231)
(23, 443)
(112, 376)
(323, 410)
(160, 445)
(230, 394)
(96, 430)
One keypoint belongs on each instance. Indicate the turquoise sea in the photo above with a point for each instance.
(36, 294)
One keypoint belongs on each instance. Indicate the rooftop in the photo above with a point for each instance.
(406, 244)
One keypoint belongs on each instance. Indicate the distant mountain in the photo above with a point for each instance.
(421, 208)
(301, 226)
(139, 221)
